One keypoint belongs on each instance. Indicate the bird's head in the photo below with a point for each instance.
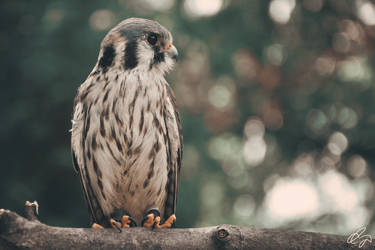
(140, 44)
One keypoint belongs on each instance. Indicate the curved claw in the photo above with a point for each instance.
(115, 225)
(127, 222)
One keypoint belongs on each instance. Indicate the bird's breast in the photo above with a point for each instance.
(127, 140)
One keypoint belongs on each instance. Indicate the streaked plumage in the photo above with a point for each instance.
(126, 134)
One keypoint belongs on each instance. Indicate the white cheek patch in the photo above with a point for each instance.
(165, 66)
(145, 55)
(169, 63)
(145, 58)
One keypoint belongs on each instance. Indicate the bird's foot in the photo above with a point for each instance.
(126, 222)
(168, 223)
(152, 220)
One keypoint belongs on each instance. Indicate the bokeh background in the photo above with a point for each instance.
(277, 101)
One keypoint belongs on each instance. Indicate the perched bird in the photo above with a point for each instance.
(126, 133)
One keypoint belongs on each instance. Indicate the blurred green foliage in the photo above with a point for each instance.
(266, 93)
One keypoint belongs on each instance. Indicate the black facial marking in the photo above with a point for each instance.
(159, 57)
(131, 59)
(107, 59)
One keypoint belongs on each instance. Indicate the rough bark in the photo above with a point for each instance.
(17, 232)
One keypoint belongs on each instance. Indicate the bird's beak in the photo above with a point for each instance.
(172, 52)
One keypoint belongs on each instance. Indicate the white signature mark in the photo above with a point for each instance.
(357, 238)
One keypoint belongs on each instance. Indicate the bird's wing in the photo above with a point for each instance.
(175, 145)
(79, 161)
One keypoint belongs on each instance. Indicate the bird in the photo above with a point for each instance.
(126, 136)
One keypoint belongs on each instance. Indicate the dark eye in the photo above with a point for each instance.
(152, 39)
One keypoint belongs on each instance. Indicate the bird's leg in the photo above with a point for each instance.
(152, 220)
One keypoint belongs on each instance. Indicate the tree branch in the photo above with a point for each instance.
(17, 232)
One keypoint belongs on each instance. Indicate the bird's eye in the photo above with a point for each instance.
(152, 39)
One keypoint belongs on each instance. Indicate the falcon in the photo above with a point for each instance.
(126, 135)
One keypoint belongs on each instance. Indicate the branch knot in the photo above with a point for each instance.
(222, 233)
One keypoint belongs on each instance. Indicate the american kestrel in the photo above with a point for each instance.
(126, 133)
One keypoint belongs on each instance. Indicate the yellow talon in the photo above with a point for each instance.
(150, 221)
(125, 222)
(168, 223)
(96, 226)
